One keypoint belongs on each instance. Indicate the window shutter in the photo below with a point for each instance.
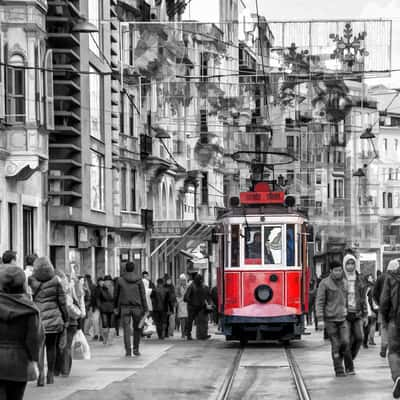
(49, 90)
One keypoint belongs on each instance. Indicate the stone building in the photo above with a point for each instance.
(26, 118)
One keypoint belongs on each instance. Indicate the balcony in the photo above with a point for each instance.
(368, 210)
(169, 228)
(131, 221)
(207, 214)
(129, 147)
(25, 151)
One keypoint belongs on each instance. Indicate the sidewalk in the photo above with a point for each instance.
(372, 382)
(108, 364)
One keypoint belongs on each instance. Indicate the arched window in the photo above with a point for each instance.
(15, 106)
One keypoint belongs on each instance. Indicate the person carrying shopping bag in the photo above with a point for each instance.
(49, 296)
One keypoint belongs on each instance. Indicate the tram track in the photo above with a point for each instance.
(225, 391)
(301, 388)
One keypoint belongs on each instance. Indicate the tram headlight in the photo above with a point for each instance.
(263, 293)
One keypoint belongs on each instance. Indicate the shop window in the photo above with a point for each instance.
(97, 181)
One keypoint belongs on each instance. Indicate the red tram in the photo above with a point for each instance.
(263, 270)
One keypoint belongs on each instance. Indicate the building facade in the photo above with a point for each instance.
(26, 118)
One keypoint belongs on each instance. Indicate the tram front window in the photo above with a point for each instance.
(252, 251)
(272, 245)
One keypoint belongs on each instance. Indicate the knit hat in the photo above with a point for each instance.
(12, 279)
(393, 264)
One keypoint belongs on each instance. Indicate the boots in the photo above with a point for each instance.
(50, 378)
(40, 381)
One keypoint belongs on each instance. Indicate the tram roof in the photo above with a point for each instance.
(272, 209)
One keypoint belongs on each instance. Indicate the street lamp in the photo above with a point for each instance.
(161, 133)
(359, 173)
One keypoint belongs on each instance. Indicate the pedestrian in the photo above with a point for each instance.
(63, 363)
(182, 312)
(198, 300)
(9, 258)
(377, 292)
(49, 296)
(372, 307)
(97, 327)
(117, 318)
(214, 299)
(21, 334)
(331, 308)
(390, 309)
(357, 312)
(87, 303)
(312, 294)
(146, 276)
(161, 304)
(29, 260)
(105, 303)
(89, 289)
(171, 306)
(130, 302)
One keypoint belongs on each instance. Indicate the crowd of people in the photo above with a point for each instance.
(42, 310)
(352, 306)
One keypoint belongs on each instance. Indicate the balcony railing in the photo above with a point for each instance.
(165, 228)
(129, 147)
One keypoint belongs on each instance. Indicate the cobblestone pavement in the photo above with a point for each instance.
(177, 369)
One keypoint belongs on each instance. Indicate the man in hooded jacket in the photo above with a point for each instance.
(390, 309)
(331, 308)
(357, 309)
(130, 302)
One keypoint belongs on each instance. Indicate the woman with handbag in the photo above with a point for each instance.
(64, 351)
(49, 296)
(21, 335)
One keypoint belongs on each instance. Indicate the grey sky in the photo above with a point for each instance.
(206, 10)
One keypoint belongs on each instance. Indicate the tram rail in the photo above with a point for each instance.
(300, 386)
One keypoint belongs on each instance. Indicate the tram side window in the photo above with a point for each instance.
(273, 245)
(290, 243)
(235, 246)
(252, 248)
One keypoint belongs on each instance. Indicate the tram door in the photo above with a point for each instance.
(305, 270)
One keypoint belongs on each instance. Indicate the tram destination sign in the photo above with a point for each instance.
(262, 197)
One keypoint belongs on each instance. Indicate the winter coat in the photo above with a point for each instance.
(377, 291)
(129, 291)
(182, 311)
(361, 298)
(332, 299)
(21, 336)
(105, 300)
(197, 296)
(49, 296)
(390, 298)
(160, 298)
(172, 297)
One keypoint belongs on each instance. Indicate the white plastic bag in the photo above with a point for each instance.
(149, 327)
(80, 347)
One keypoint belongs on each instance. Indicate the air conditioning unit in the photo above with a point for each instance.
(154, 14)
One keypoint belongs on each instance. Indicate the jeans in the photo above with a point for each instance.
(338, 333)
(131, 315)
(160, 319)
(12, 390)
(394, 349)
(183, 323)
(192, 315)
(64, 357)
(355, 327)
(50, 344)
